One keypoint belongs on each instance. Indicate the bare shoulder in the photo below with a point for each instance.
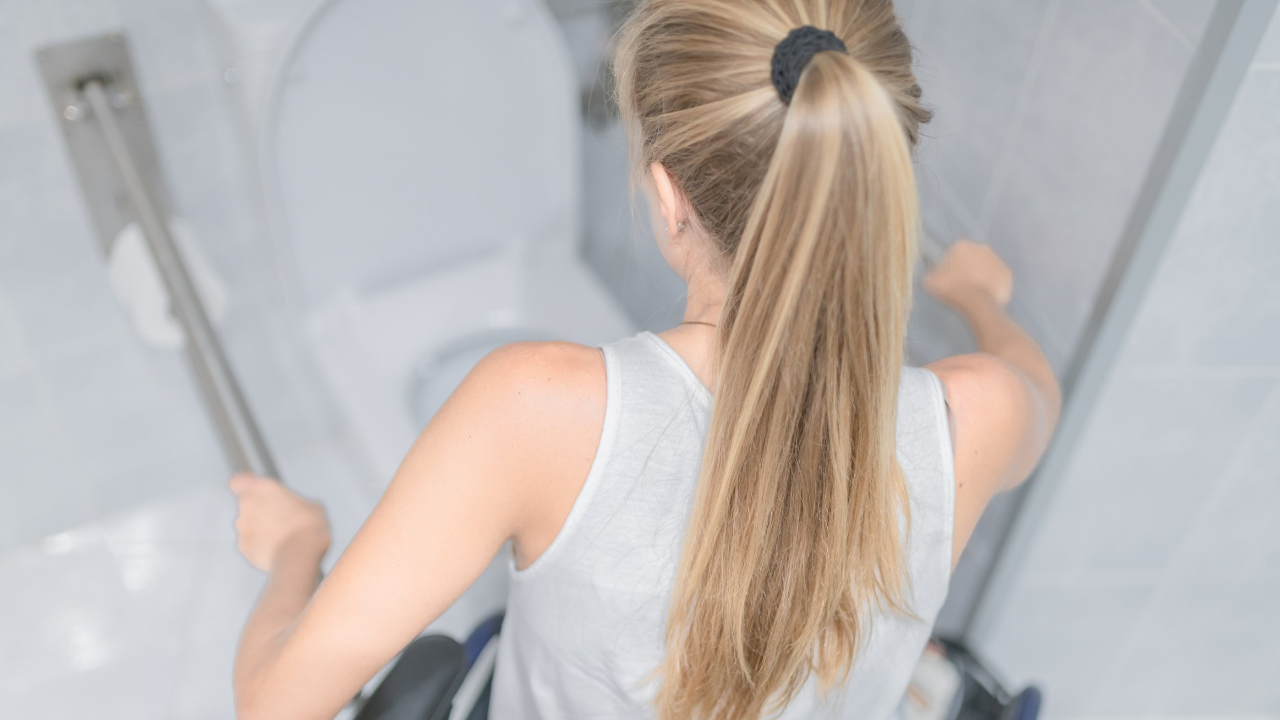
(980, 382)
(989, 400)
(994, 408)
(540, 407)
(539, 394)
(991, 404)
(538, 376)
(997, 432)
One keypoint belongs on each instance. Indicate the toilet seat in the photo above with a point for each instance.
(373, 348)
(412, 230)
(402, 136)
(415, 235)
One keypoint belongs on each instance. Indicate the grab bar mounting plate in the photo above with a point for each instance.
(65, 68)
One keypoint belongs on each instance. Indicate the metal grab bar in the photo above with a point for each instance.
(239, 431)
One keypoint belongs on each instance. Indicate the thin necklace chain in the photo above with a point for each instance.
(698, 322)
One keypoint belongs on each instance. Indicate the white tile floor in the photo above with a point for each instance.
(137, 614)
(101, 619)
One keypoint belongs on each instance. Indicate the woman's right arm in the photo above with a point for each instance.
(1004, 400)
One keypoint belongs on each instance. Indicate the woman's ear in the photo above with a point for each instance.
(670, 202)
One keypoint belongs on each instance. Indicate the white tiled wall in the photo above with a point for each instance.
(1152, 586)
(1188, 17)
(121, 593)
(1048, 112)
(619, 243)
(1047, 115)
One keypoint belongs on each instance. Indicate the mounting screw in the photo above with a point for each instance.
(231, 76)
(122, 99)
(72, 113)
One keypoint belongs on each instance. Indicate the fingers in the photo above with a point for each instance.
(244, 482)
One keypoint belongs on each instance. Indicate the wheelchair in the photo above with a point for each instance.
(438, 678)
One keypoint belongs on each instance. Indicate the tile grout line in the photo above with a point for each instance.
(1049, 334)
(995, 186)
(74, 457)
(1180, 717)
(1129, 646)
(194, 595)
(923, 10)
(22, 360)
(951, 202)
(1200, 372)
(1168, 24)
(1223, 480)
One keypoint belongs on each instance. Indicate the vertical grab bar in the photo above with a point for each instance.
(240, 434)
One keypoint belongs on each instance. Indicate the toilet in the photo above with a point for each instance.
(420, 163)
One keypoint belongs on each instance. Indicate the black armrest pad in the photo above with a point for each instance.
(422, 683)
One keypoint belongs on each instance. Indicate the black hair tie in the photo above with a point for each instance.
(794, 52)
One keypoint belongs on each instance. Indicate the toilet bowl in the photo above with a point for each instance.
(420, 163)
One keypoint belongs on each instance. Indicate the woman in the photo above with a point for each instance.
(783, 550)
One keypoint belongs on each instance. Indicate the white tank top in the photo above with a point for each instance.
(585, 622)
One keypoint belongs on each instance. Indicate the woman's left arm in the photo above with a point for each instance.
(463, 490)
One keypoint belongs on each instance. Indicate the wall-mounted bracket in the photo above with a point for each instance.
(66, 68)
(94, 94)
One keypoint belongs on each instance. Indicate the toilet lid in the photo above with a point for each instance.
(407, 135)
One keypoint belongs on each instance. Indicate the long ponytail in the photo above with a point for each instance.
(798, 522)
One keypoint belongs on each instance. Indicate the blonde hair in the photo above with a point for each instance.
(796, 532)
